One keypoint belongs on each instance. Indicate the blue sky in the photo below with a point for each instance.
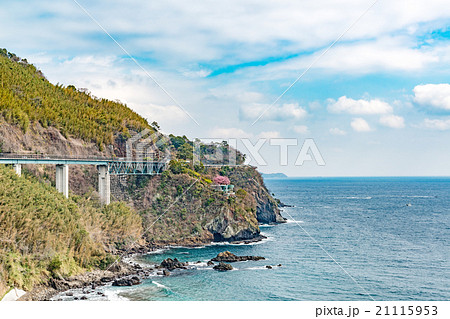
(377, 103)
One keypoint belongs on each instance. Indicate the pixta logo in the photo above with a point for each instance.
(223, 152)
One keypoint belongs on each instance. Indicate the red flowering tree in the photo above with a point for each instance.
(221, 180)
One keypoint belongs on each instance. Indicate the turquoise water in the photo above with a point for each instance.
(391, 235)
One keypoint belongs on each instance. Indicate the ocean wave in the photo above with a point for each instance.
(292, 221)
(159, 285)
(418, 196)
(226, 243)
(114, 294)
(157, 251)
(256, 268)
(198, 264)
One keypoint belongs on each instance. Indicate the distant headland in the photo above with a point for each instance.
(274, 175)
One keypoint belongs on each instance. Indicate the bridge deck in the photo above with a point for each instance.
(116, 166)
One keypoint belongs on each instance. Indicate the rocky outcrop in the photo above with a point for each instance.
(172, 264)
(267, 211)
(130, 281)
(249, 179)
(223, 267)
(227, 256)
(226, 228)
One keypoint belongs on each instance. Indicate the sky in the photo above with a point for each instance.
(368, 81)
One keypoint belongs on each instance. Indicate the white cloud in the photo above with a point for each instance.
(110, 77)
(392, 121)
(351, 106)
(383, 54)
(274, 113)
(301, 129)
(434, 95)
(231, 132)
(337, 131)
(360, 125)
(201, 73)
(161, 113)
(231, 30)
(373, 55)
(269, 134)
(437, 124)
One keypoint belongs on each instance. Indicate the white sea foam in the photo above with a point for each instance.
(418, 196)
(113, 295)
(256, 268)
(266, 225)
(159, 285)
(197, 265)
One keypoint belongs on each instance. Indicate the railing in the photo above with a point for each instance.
(73, 158)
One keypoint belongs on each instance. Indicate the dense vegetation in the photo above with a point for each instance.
(190, 206)
(44, 234)
(26, 96)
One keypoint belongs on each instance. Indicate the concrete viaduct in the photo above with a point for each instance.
(106, 167)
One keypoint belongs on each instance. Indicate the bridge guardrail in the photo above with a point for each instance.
(72, 158)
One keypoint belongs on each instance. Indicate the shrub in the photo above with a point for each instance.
(241, 193)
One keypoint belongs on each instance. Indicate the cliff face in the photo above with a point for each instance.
(179, 209)
(40, 117)
(39, 140)
(249, 179)
(195, 219)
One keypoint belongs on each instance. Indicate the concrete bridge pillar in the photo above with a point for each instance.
(62, 179)
(104, 184)
(18, 169)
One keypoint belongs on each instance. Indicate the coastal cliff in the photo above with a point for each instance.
(179, 207)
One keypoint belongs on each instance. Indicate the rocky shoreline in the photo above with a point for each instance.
(123, 273)
(90, 280)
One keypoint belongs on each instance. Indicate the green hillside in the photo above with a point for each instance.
(44, 235)
(26, 95)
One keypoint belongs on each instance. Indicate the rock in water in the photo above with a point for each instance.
(229, 257)
(223, 267)
(166, 272)
(127, 281)
(269, 267)
(209, 263)
(172, 264)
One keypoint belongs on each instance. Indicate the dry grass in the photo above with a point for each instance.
(44, 234)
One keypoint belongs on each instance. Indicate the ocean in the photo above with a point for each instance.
(345, 239)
